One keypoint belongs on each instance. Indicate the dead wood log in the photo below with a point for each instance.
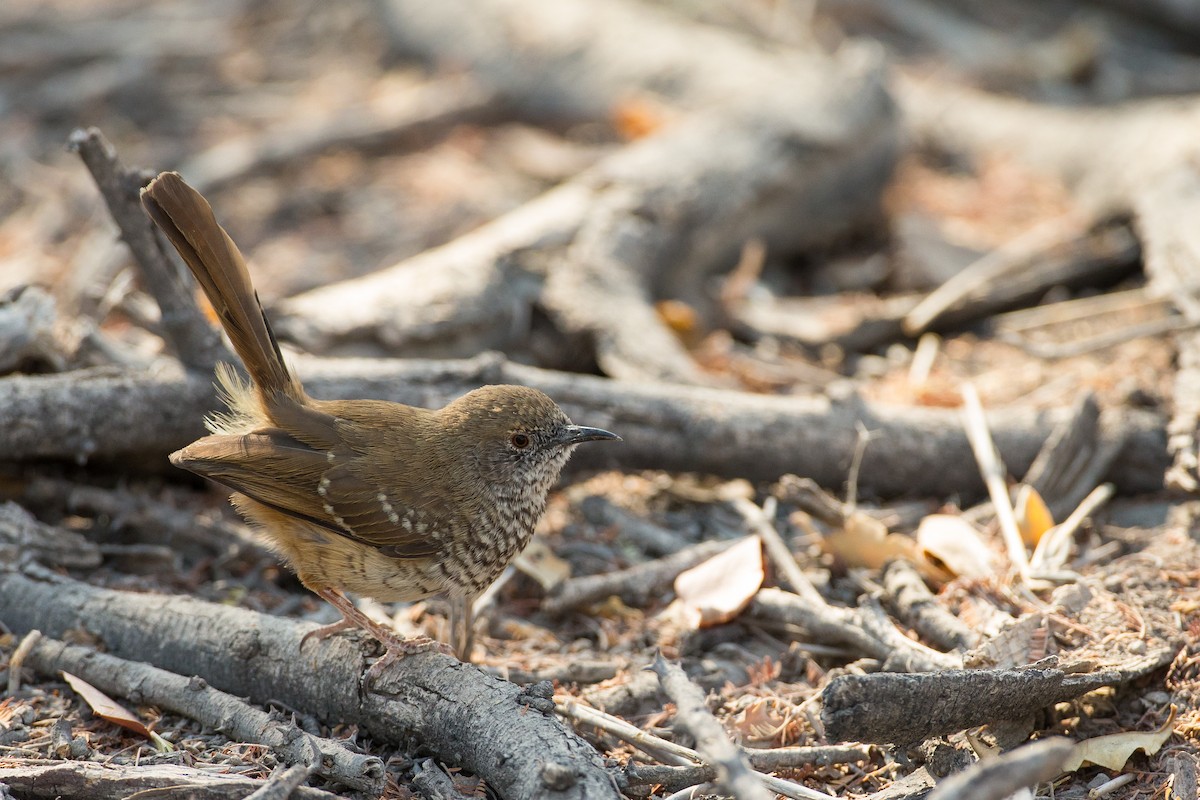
(60, 779)
(903, 708)
(463, 716)
(792, 148)
(103, 414)
(998, 778)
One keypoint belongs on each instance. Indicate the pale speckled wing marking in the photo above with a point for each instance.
(275, 469)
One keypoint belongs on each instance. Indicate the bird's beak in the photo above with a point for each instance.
(574, 434)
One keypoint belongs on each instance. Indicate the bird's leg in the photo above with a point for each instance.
(396, 646)
(462, 625)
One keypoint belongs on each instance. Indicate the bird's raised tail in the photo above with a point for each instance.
(187, 219)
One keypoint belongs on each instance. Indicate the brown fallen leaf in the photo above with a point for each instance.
(105, 707)
(956, 546)
(864, 541)
(717, 590)
(539, 562)
(1033, 515)
(1113, 750)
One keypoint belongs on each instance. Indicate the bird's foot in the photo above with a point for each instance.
(398, 648)
(325, 631)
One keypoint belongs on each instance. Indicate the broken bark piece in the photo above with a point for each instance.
(914, 451)
(899, 708)
(457, 712)
(919, 608)
(998, 778)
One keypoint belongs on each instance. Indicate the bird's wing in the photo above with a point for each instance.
(275, 469)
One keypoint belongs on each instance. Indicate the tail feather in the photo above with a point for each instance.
(218, 266)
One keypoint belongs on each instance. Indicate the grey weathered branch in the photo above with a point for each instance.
(899, 708)
(217, 710)
(187, 332)
(456, 711)
(58, 779)
(1002, 777)
(733, 770)
(914, 451)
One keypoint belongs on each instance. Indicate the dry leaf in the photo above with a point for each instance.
(717, 590)
(1113, 750)
(538, 561)
(105, 707)
(637, 118)
(865, 542)
(954, 543)
(1033, 515)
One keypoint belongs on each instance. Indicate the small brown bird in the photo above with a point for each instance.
(366, 496)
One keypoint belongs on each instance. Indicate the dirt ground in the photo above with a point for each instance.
(777, 246)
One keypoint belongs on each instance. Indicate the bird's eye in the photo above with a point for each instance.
(520, 440)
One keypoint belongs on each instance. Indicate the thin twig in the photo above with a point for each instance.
(195, 342)
(777, 550)
(674, 754)
(18, 660)
(733, 771)
(694, 715)
(989, 267)
(1054, 542)
(993, 476)
(860, 450)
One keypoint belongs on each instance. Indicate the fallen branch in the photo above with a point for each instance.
(457, 712)
(108, 782)
(215, 709)
(920, 610)
(914, 451)
(896, 708)
(188, 333)
(431, 108)
(733, 772)
(1002, 777)
(768, 138)
(866, 630)
(635, 585)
